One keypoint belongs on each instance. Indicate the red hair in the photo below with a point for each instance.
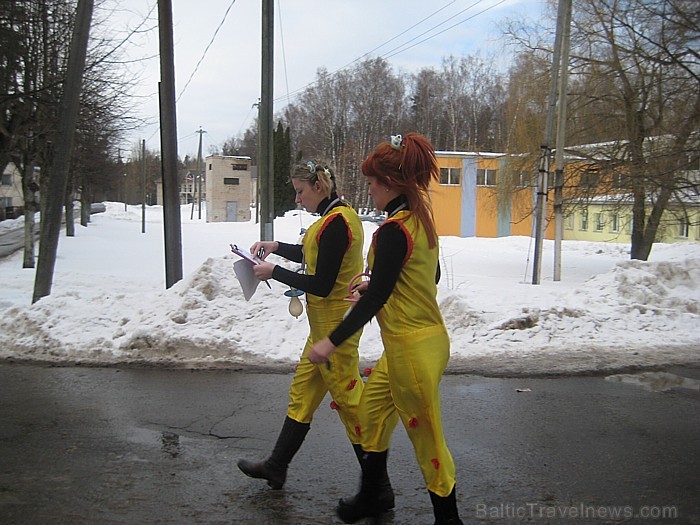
(408, 168)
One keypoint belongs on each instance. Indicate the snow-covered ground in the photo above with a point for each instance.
(109, 304)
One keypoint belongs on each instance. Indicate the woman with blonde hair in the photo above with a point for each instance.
(330, 255)
(402, 293)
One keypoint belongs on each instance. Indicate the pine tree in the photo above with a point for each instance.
(282, 151)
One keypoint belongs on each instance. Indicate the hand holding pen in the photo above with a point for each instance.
(260, 254)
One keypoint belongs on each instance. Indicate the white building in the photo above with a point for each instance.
(229, 188)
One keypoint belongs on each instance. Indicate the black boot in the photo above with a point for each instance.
(274, 468)
(375, 496)
(445, 509)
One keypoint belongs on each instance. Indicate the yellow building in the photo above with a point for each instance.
(606, 220)
(471, 199)
(476, 198)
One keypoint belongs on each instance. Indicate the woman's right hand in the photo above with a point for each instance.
(262, 249)
(360, 287)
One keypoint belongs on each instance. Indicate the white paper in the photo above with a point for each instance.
(246, 277)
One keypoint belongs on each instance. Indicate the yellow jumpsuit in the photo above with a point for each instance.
(406, 379)
(342, 378)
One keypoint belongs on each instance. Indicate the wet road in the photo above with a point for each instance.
(127, 446)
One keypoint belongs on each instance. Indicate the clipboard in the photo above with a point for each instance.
(244, 254)
(244, 272)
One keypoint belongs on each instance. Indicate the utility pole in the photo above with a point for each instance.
(58, 182)
(546, 150)
(143, 186)
(197, 179)
(168, 146)
(265, 157)
(559, 161)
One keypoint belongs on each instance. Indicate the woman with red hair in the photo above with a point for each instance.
(401, 292)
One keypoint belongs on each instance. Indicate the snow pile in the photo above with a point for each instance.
(109, 305)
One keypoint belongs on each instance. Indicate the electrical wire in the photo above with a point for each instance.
(204, 54)
(284, 56)
(399, 49)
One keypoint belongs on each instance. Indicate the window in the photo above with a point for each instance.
(615, 223)
(569, 224)
(599, 222)
(589, 177)
(7, 179)
(584, 221)
(683, 228)
(486, 177)
(5, 202)
(239, 167)
(524, 179)
(450, 175)
(618, 181)
(232, 181)
(210, 168)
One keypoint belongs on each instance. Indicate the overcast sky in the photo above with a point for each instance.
(217, 87)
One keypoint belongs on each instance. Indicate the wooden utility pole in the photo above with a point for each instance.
(63, 147)
(559, 161)
(546, 150)
(200, 174)
(168, 146)
(143, 186)
(265, 157)
(197, 181)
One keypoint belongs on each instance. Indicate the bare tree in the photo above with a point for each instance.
(639, 66)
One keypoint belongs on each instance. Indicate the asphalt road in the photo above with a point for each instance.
(12, 240)
(142, 446)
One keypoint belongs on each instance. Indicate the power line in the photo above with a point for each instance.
(284, 56)
(399, 49)
(216, 32)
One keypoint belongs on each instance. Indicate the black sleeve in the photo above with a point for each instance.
(390, 249)
(292, 252)
(332, 246)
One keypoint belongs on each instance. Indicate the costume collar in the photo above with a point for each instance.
(328, 203)
(396, 205)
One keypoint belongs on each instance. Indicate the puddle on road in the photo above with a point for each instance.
(169, 442)
(657, 381)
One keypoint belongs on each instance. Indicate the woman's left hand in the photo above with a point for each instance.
(263, 270)
(321, 351)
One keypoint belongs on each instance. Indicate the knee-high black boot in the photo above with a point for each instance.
(274, 468)
(375, 495)
(445, 509)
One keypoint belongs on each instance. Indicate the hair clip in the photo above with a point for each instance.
(396, 141)
(311, 167)
(329, 172)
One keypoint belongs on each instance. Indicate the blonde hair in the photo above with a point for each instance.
(313, 172)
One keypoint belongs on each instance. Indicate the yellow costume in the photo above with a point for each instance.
(342, 377)
(407, 376)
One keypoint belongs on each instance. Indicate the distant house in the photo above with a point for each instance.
(229, 188)
(471, 201)
(11, 197)
(474, 198)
